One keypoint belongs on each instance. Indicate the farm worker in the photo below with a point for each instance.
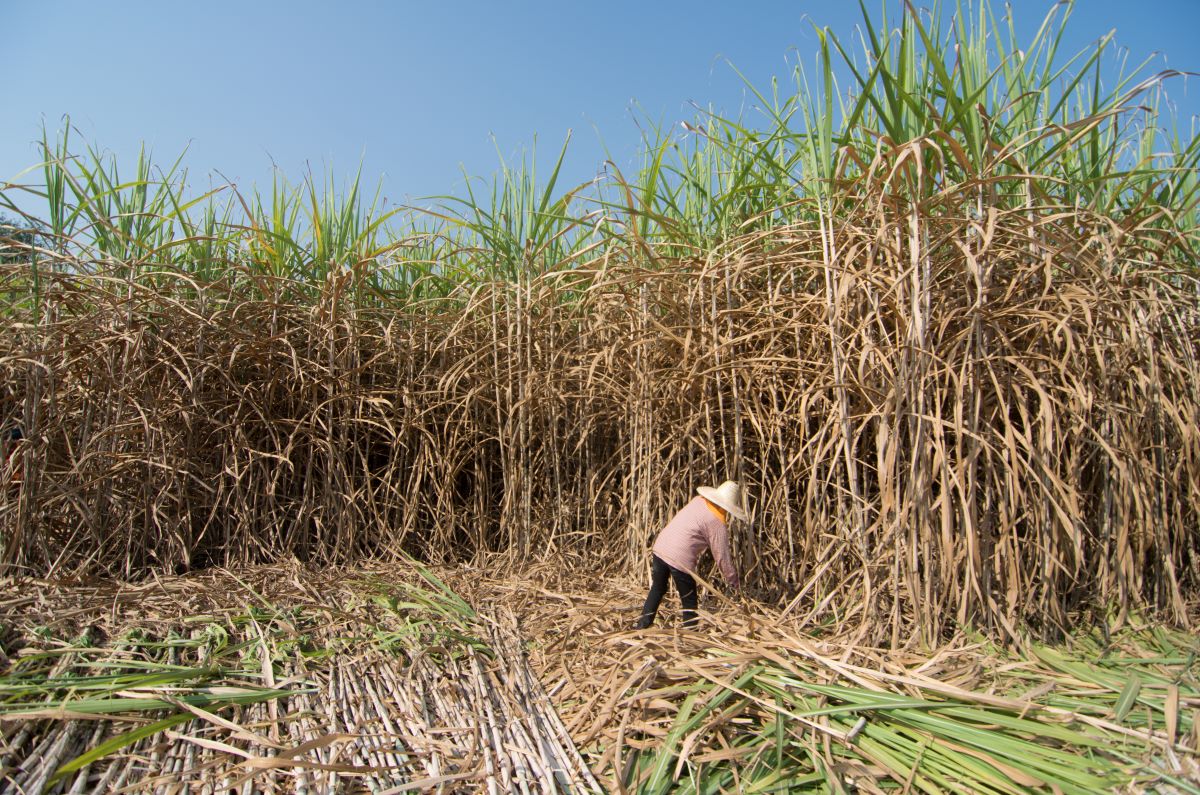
(702, 524)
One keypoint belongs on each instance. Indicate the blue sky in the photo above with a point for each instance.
(417, 90)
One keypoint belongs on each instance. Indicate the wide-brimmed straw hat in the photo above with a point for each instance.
(728, 496)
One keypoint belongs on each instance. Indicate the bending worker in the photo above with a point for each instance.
(702, 524)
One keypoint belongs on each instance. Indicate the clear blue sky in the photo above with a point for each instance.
(414, 89)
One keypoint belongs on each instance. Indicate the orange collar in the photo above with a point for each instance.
(717, 510)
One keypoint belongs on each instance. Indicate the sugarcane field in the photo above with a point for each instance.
(849, 443)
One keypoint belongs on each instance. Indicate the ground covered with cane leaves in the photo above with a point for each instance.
(403, 679)
(272, 680)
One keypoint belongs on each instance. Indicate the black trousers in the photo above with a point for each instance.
(684, 583)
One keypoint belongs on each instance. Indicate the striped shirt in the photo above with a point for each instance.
(693, 530)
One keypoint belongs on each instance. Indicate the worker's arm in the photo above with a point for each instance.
(719, 542)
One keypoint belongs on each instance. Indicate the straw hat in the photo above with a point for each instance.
(728, 495)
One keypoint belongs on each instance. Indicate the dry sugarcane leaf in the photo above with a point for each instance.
(217, 720)
(1171, 713)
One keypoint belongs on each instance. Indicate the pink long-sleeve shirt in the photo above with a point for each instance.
(694, 529)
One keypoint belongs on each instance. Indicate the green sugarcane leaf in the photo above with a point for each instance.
(1128, 697)
(119, 742)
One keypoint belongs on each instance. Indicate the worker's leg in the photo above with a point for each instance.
(686, 585)
(659, 572)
